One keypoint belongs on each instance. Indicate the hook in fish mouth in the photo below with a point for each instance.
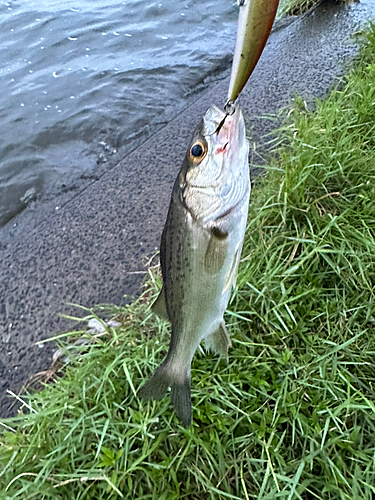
(220, 125)
(229, 110)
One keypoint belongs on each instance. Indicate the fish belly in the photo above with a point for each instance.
(196, 296)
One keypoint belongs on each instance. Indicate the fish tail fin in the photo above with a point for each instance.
(181, 400)
(157, 386)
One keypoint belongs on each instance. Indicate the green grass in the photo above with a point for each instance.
(291, 414)
(297, 7)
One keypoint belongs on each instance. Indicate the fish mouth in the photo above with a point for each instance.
(230, 126)
(224, 129)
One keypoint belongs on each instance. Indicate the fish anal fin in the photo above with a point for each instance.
(217, 251)
(159, 307)
(219, 341)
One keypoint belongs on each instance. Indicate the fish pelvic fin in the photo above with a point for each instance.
(163, 378)
(219, 341)
(159, 307)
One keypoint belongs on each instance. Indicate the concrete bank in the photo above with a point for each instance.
(86, 251)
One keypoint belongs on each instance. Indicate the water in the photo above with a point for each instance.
(83, 82)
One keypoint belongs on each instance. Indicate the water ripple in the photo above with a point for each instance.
(79, 74)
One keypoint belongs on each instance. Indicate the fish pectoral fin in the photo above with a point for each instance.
(159, 307)
(216, 252)
(232, 276)
(219, 341)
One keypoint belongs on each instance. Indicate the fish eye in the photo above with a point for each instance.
(198, 151)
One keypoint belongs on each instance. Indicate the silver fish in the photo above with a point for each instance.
(200, 250)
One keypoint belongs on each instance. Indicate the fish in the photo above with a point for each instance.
(255, 21)
(200, 251)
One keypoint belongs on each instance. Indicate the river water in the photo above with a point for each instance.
(83, 82)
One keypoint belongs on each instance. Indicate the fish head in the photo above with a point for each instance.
(218, 150)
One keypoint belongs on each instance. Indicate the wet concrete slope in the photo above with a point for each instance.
(86, 251)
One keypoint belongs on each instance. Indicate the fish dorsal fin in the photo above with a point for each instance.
(219, 341)
(216, 252)
(159, 307)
